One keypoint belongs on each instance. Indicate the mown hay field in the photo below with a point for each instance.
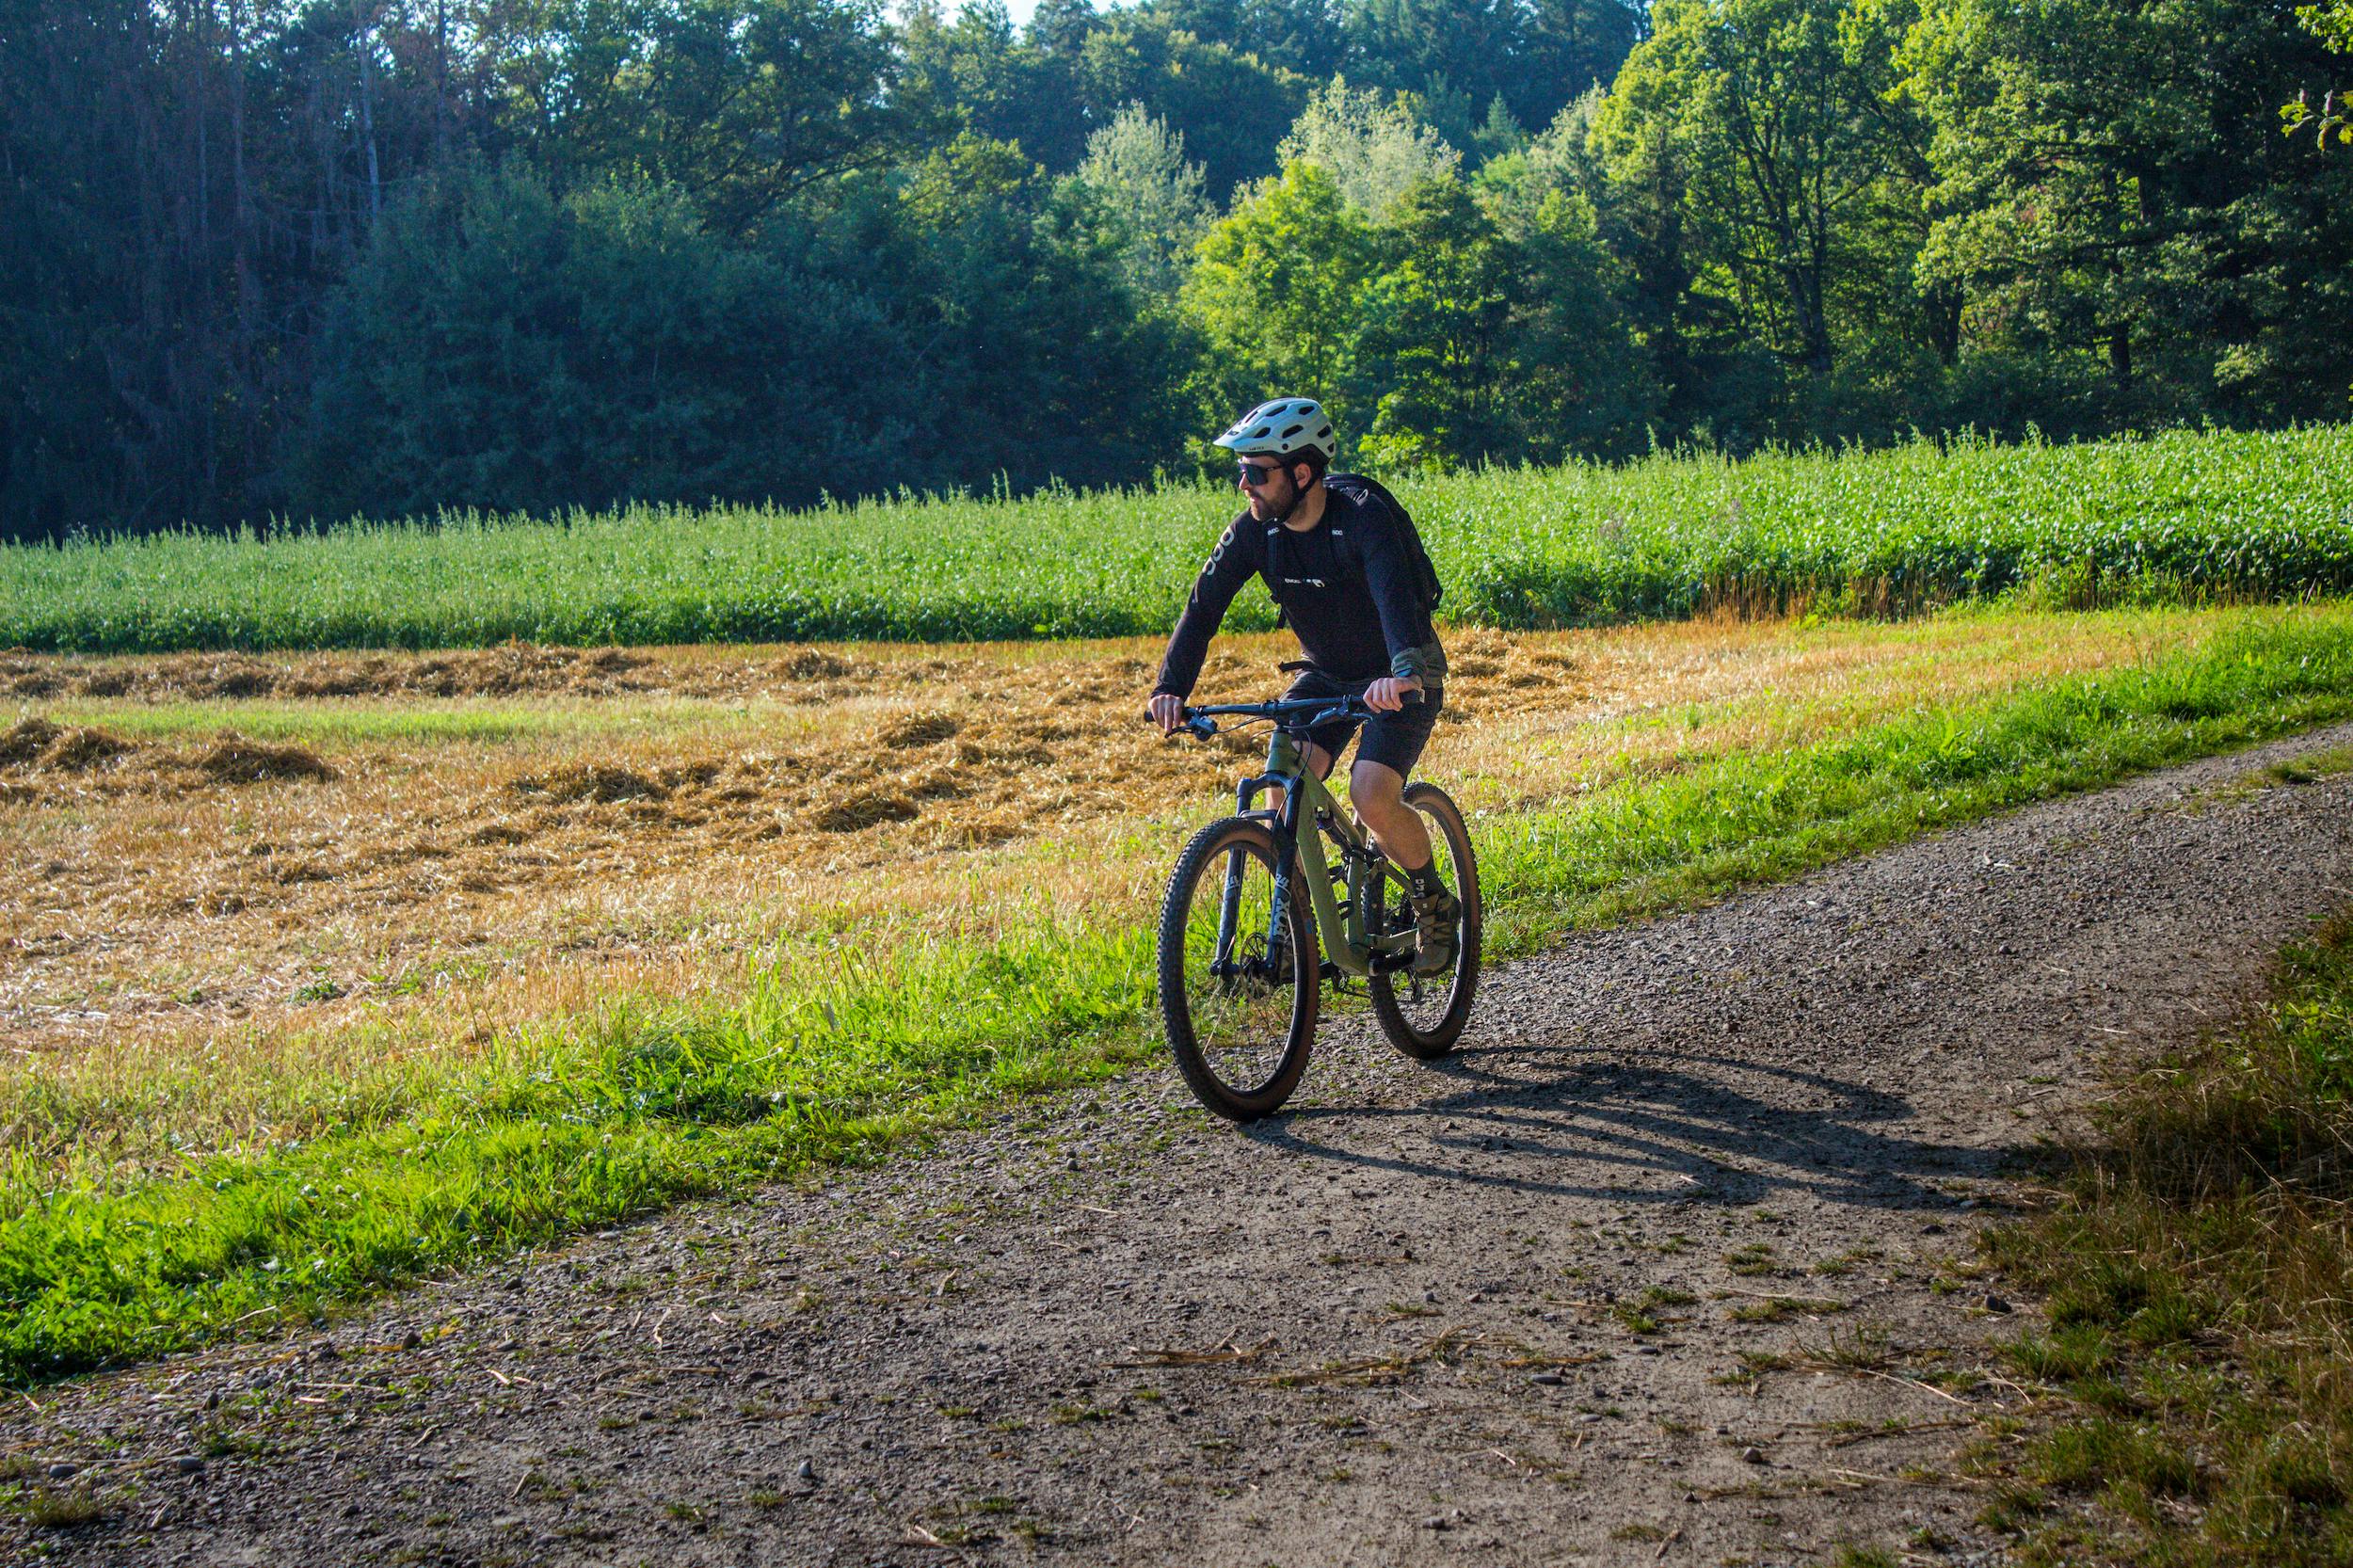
(2215, 515)
(222, 856)
(327, 970)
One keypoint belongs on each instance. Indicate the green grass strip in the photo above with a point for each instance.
(837, 1059)
(2198, 1275)
(2260, 515)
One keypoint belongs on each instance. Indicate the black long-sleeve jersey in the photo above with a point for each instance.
(1358, 615)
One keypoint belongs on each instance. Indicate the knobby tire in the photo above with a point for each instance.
(1190, 995)
(1417, 1029)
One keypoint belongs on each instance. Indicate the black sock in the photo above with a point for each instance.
(1426, 882)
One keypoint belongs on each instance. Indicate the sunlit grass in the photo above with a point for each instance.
(421, 901)
(160, 1194)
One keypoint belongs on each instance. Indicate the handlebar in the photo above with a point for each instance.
(1203, 722)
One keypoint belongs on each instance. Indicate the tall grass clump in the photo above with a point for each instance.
(833, 1052)
(2246, 515)
(2200, 1276)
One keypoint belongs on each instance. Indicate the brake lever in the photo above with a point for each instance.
(1202, 727)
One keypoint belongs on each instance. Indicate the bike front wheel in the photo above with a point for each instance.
(1423, 1015)
(1239, 976)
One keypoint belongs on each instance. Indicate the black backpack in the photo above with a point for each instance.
(1359, 489)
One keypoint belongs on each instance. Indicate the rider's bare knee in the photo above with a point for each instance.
(1376, 783)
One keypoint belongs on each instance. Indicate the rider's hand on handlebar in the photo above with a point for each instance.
(1388, 695)
(1167, 712)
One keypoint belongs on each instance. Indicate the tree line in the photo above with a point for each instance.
(270, 260)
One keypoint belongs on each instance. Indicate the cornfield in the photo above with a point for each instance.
(2186, 516)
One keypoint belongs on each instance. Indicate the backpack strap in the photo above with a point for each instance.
(1275, 578)
(1344, 551)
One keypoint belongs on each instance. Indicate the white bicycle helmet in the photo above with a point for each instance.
(1282, 427)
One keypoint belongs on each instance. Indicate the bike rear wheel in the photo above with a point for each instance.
(1423, 1015)
(1240, 978)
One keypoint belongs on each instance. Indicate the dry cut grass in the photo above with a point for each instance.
(205, 920)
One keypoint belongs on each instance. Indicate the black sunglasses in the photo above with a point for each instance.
(1258, 476)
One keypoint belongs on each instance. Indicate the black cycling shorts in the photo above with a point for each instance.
(1393, 739)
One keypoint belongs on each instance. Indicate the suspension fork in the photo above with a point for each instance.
(1230, 907)
(1287, 767)
(1286, 859)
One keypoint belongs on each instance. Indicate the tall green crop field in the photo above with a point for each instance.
(2251, 514)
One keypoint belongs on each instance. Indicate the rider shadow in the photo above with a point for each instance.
(1654, 1125)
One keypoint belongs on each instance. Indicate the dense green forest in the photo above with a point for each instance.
(265, 259)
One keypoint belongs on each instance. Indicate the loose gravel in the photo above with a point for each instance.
(1672, 1263)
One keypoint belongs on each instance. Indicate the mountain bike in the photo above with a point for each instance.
(1268, 905)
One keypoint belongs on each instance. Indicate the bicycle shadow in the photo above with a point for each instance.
(1649, 1124)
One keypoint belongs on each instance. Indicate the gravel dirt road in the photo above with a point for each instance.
(1673, 1263)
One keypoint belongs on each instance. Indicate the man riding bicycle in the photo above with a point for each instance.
(1335, 561)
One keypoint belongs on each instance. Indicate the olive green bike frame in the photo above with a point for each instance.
(1348, 946)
